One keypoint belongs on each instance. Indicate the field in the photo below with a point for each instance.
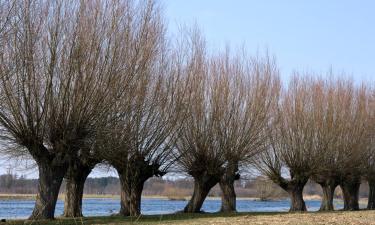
(361, 217)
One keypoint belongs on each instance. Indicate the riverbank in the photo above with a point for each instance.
(93, 196)
(362, 201)
(310, 218)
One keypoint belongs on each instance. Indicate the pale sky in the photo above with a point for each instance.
(303, 35)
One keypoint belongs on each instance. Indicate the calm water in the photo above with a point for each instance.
(10, 209)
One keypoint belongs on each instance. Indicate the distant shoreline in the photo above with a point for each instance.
(3, 196)
(6, 196)
(108, 196)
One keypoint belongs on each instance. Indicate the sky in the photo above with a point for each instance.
(307, 36)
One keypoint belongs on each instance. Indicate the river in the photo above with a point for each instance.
(18, 209)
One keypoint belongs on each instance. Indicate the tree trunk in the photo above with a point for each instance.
(327, 199)
(350, 190)
(297, 204)
(125, 194)
(131, 190)
(371, 195)
(135, 198)
(125, 201)
(328, 184)
(50, 179)
(202, 186)
(228, 195)
(294, 187)
(75, 181)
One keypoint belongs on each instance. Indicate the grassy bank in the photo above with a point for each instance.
(361, 217)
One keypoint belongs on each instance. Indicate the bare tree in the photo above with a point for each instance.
(59, 66)
(368, 170)
(229, 97)
(141, 140)
(107, 35)
(199, 153)
(247, 105)
(329, 126)
(354, 145)
(292, 149)
(320, 132)
(336, 114)
(76, 175)
(7, 9)
(141, 128)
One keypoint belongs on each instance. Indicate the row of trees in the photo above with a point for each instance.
(91, 82)
(322, 130)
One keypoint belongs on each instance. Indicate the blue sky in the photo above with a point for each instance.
(303, 35)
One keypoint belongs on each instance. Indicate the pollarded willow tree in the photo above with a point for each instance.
(292, 155)
(59, 68)
(355, 142)
(250, 92)
(229, 101)
(329, 126)
(368, 169)
(140, 143)
(340, 134)
(141, 127)
(198, 150)
(121, 36)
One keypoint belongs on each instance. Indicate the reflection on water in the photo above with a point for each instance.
(10, 209)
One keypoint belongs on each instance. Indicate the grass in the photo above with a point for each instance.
(143, 219)
(309, 218)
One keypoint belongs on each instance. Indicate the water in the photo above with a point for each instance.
(12, 209)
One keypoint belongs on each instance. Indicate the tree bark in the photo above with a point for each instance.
(50, 179)
(328, 184)
(132, 180)
(371, 195)
(327, 199)
(131, 197)
(228, 195)
(295, 192)
(294, 187)
(350, 189)
(135, 198)
(75, 181)
(125, 194)
(125, 201)
(202, 186)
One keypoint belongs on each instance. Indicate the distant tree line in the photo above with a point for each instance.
(101, 82)
(177, 189)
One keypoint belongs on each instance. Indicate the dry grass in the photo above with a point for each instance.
(331, 218)
(339, 218)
